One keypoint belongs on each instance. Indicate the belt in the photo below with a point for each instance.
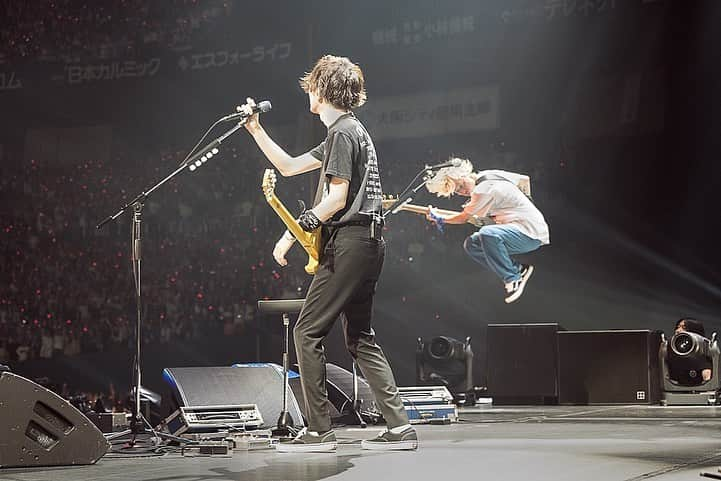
(364, 223)
(376, 228)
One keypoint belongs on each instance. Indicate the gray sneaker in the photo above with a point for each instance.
(387, 441)
(306, 442)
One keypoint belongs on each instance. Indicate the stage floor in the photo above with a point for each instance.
(500, 442)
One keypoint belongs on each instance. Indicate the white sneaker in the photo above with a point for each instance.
(514, 289)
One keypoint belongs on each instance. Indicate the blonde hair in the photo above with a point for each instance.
(337, 81)
(445, 181)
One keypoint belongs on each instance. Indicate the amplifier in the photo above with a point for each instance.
(199, 419)
(109, 422)
(609, 367)
(428, 404)
(523, 363)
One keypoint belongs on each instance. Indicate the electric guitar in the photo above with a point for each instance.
(419, 209)
(310, 241)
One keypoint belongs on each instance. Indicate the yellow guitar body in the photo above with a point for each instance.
(310, 241)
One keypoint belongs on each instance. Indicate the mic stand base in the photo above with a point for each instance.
(140, 429)
(284, 428)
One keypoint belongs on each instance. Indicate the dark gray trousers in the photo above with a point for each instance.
(344, 287)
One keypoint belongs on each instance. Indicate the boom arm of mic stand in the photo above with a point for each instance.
(405, 198)
(141, 197)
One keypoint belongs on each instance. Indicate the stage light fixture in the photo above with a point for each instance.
(447, 362)
(690, 345)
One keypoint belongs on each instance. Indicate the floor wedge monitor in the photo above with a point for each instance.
(39, 428)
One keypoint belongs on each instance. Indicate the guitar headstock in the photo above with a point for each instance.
(269, 179)
(388, 200)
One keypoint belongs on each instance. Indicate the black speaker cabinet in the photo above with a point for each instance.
(609, 367)
(39, 428)
(522, 363)
(260, 384)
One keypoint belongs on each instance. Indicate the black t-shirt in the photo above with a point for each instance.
(348, 153)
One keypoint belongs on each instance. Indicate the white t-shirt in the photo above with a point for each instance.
(508, 205)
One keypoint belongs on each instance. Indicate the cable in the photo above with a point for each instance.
(405, 191)
(200, 141)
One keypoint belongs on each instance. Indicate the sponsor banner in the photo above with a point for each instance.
(223, 58)
(41, 74)
(433, 113)
(568, 8)
(78, 74)
(411, 32)
(551, 10)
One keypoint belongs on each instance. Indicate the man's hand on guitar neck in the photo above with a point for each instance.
(447, 217)
(435, 218)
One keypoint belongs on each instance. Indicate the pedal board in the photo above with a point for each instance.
(207, 419)
(220, 449)
(251, 442)
(428, 404)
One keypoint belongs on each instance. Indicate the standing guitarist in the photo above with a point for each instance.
(519, 226)
(347, 208)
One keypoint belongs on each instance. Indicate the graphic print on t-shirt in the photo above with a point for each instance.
(373, 190)
(348, 153)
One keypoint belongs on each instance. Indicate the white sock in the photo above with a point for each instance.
(399, 429)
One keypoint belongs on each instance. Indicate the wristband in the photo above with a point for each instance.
(308, 221)
(439, 221)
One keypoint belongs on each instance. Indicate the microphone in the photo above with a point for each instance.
(449, 163)
(261, 107)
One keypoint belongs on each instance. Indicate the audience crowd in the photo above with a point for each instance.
(72, 29)
(69, 286)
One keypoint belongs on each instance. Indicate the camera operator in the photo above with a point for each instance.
(689, 371)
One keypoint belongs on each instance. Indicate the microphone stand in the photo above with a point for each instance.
(406, 197)
(137, 420)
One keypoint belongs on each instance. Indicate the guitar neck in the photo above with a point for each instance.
(289, 221)
(419, 209)
(473, 220)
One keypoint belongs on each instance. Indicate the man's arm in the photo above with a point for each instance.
(286, 164)
(479, 205)
(334, 201)
(460, 218)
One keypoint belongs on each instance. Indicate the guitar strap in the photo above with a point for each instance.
(486, 177)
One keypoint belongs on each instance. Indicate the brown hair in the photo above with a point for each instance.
(336, 80)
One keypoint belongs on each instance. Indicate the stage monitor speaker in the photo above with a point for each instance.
(523, 363)
(257, 383)
(609, 367)
(39, 428)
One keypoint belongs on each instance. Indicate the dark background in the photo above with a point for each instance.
(613, 111)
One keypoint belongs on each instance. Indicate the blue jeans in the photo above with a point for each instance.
(493, 245)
